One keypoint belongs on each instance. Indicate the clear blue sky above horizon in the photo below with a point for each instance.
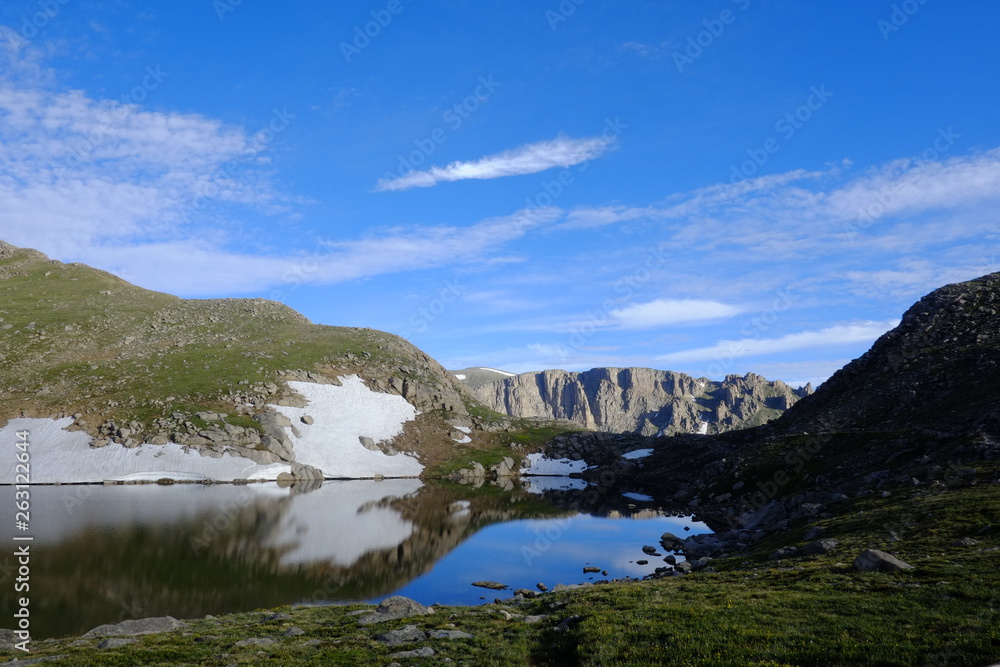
(719, 187)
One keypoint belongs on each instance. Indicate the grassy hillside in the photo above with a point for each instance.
(75, 340)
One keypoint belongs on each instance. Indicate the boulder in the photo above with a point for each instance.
(142, 626)
(395, 607)
(492, 585)
(671, 542)
(873, 560)
(819, 547)
(408, 634)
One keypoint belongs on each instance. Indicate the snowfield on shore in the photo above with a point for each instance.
(341, 416)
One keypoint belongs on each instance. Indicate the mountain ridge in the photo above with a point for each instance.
(645, 401)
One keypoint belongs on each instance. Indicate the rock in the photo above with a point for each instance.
(683, 567)
(294, 632)
(526, 593)
(449, 634)
(255, 641)
(143, 626)
(651, 550)
(307, 420)
(281, 616)
(784, 552)
(408, 634)
(766, 518)
(814, 532)
(819, 547)
(423, 652)
(535, 619)
(873, 560)
(642, 562)
(115, 642)
(671, 542)
(492, 585)
(590, 569)
(395, 607)
(542, 587)
(965, 542)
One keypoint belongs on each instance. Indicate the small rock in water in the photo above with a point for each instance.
(651, 550)
(492, 585)
(588, 569)
(542, 587)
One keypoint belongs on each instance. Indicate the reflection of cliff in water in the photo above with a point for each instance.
(190, 551)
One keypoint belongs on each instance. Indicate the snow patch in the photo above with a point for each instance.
(493, 370)
(539, 464)
(703, 429)
(637, 454)
(341, 416)
(58, 455)
(460, 376)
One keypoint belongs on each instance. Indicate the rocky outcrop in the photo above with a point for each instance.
(641, 400)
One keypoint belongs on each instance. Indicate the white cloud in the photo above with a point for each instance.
(528, 159)
(666, 312)
(858, 332)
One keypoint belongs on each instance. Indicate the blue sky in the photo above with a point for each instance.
(716, 187)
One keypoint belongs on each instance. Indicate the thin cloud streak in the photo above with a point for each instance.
(529, 159)
(858, 332)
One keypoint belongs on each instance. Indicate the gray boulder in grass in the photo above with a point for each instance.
(873, 560)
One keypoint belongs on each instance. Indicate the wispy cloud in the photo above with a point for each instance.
(528, 159)
(857, 332)
(668, 312)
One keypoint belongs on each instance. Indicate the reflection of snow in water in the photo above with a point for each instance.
(342, 521)
(639, 496)
(540, 485)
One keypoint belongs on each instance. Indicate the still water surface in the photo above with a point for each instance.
(102, 554)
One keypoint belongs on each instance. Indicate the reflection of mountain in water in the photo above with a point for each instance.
(187, 551)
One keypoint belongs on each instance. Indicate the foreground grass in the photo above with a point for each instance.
(751, 611)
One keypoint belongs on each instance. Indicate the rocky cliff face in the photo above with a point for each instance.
(641, 400)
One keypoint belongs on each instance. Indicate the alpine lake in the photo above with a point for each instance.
(106, 553)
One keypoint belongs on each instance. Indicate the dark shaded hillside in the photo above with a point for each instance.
(939, 370)
(920, 409)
